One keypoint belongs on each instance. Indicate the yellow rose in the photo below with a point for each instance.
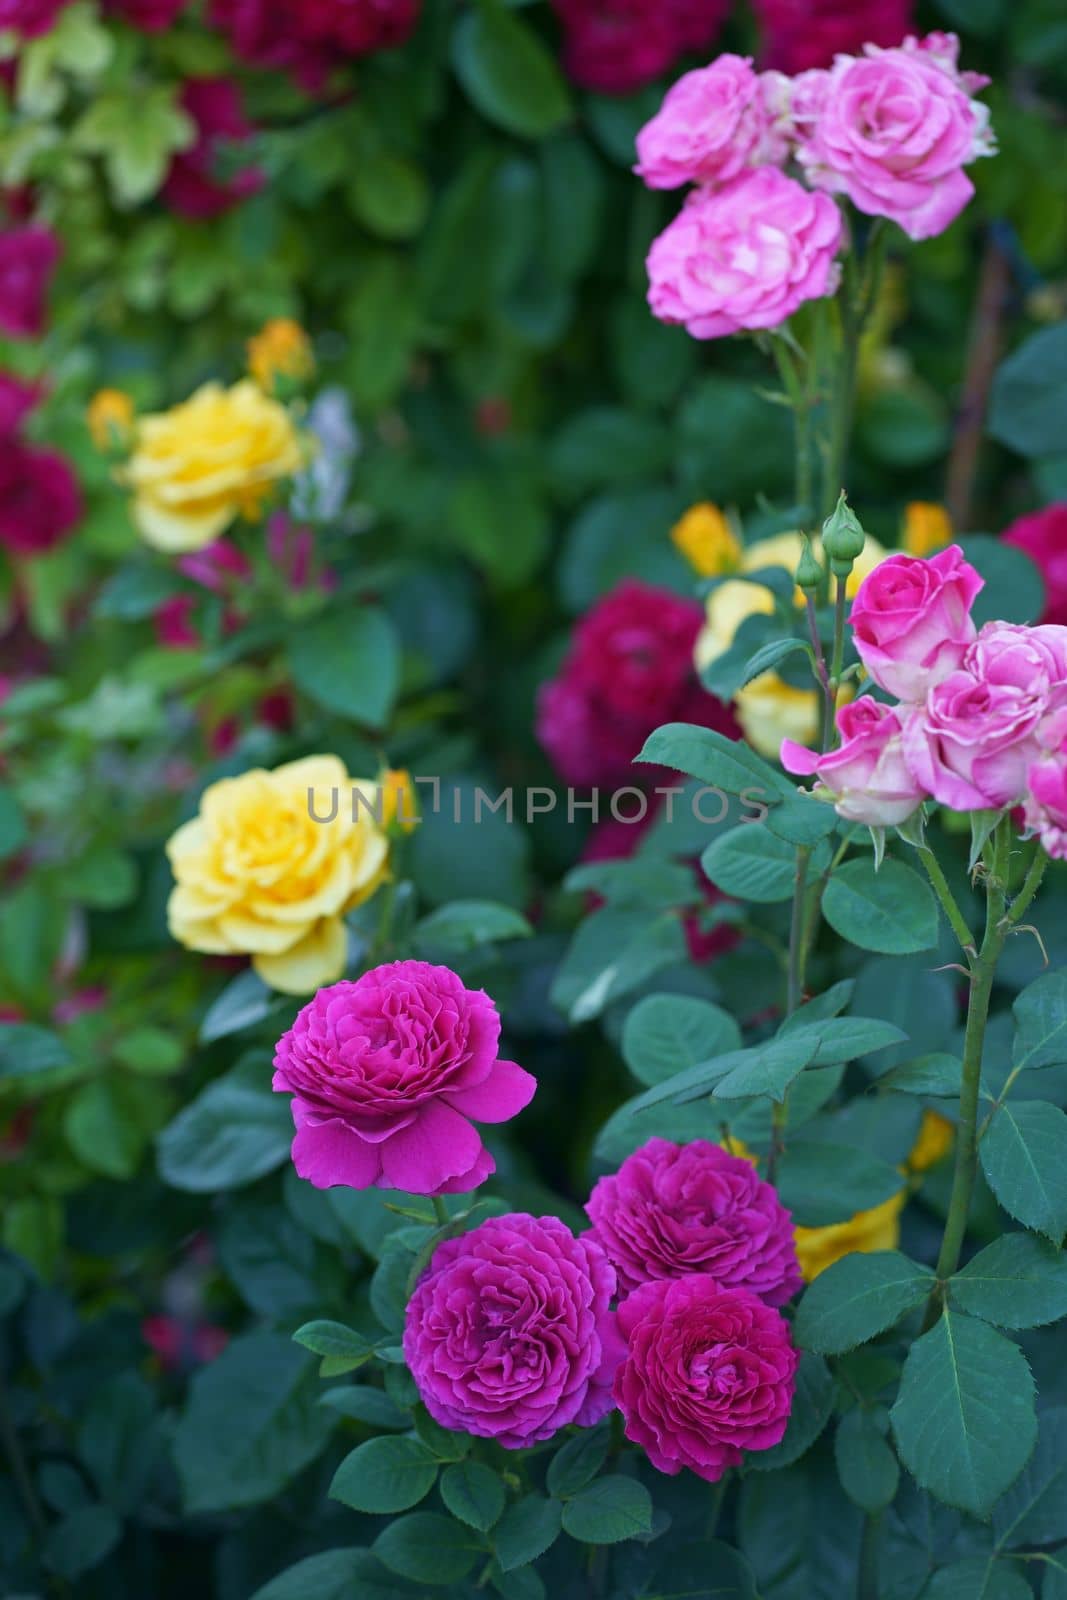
(281, 349)
(109, 416)
(768, 709)
(256, 873)
(707, 541)
(927, 528)
(217, 455)
(877, 1229)
(935, 1139)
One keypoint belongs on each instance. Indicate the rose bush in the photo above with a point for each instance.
(427, 676)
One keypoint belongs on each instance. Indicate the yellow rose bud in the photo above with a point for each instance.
(707, 541)
(877, 1229)
(109, 416)
(281, 349)
(400, 806)
(927, 528)
(269, 867)
(218, 455)
(935, 1139)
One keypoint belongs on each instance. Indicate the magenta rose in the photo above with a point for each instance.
(971, 743)
(676, 1209)
(911, 620)
(799, 34)
(150, 16)
(714, 123)
(744, 256)
(866, 777)
(893, 130)
(17, 400)
(306, 37)
(386, 1074)
(28, 258)
(195, 186)
(30, 18)
(708, 1374)
(616, 46)
(509, 1334)
(1043, 537)
(628, 670)
(40, 501)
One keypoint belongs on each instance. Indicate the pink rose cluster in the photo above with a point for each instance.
(980, 721)
(890, 129)
(629, 669)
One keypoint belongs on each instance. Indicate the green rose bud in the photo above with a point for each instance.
(843, 538)
(809, 573)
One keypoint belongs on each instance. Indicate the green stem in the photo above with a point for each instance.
(1031, 884)
(440, 1210)
(837, 661)
(983, 969)
(717, 1498)
(957, 921)
(801, 400)
(822, 672)
(794, 995)
(867, 1585)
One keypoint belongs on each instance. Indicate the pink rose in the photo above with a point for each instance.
(893, 129)
(509, 1334)
(1046, 800)
(30, 18)
(28, 257)
(151, 16)
(385, 1074)
(745, 256)
(709, 1373)
(972, 742)
(714, 123)
(17, 400)
(675, 1209)
(911, 620)
(867, 777)
(809, 33)
(1043, 537)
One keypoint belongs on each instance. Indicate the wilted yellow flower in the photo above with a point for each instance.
(281, 349)
(927, 528)
(768, 709)
(877, 1229)
(707, 541)
(216, 456)
(935, 1139)
(109, 415)
(738, 1147)
(269, 867)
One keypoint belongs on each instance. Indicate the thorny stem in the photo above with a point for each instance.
(957, 921)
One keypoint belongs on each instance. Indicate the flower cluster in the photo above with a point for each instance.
(28, 257)
(981, 717)
(194, 186)
(890, 129)
(629, 669)
(308, 37)
(799, 34)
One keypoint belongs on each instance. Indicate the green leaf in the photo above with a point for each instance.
(120, 1441)
(230, 1135)
(857, 1298)
(933, 1075)
(1017, 1282)
(385, 1475)
(705, 1571)
(770, 1069)
(665, 1033)
(609, 1510)
(252, 1422)
(753, 864)
(333, 1575)
(363, 1403)
(612, 953)
(866, 1464)
(336, 1342)
(465, 924)
(579, 1460)
(26, 1050)
(813, 1403)
(719, 762)
(244, 1002)
(526, 1531)
(1041, 1023)
(446, 1444)
(103, 1123)
(13, 828)
(151, 1051)
(978, 1578)
(823, 1182)
(137, 137)
(1028, 411)
(349, 663)
(508, 73)
(964, 1418)
(1024, 1158)
(843, 1038)
(428, 1548)
(473, 1493)
(1034, 1510)
(81, 1540)
(389, 194)
(890, 910)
